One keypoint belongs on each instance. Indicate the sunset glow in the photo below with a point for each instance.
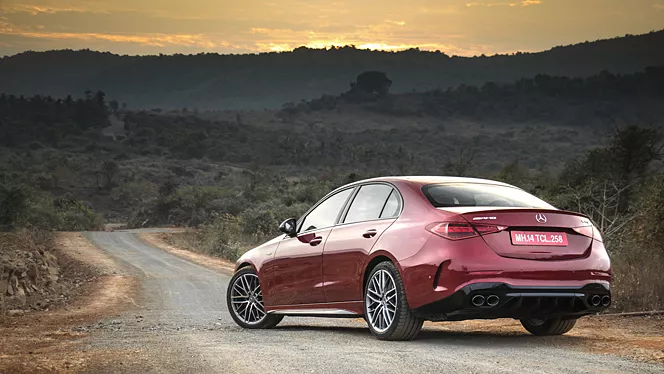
(455, 27)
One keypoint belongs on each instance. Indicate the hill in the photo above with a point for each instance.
(542, 123)
(267, 80)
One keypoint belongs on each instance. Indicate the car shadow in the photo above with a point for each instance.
(484, 338)
(354, 330)
(434, 336)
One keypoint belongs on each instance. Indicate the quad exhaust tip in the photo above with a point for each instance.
(477, 300)
(492, 300)
(480, 300)
(595, 300)
(606, 300)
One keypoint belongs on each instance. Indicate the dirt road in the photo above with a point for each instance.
(182, 325)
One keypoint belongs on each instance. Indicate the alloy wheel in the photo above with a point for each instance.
(381, 301)
(247, 299)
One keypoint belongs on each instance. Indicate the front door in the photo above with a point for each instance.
(297, 267)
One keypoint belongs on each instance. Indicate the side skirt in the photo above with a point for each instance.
(351, 309)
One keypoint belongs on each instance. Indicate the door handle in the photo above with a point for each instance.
(315, 241)
(370, 233)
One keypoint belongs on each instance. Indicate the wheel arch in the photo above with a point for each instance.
(243, 264)
(375, 259)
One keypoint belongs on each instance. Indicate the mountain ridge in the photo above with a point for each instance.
(267, 80)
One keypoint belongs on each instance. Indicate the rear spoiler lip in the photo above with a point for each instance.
(472, 210)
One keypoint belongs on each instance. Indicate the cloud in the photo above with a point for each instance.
(152, 40)
(398, 23)
(391, 34)
(35, 9)
(522, 3)
(376, 37)
(98, 8)
(530, 2)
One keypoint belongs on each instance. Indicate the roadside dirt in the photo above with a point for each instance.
(161, 240)
(639, 338)
(49, 340)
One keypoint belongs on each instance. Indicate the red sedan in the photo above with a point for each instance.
(402, 250)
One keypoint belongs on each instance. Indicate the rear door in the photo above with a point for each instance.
(297, 264)
(373, 209)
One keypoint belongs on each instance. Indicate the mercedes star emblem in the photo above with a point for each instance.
(541, 218)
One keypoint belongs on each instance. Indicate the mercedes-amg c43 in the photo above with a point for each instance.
(401, 250)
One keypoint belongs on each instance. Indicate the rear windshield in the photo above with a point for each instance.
(476, 194)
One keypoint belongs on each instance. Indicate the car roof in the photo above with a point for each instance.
(423, 180)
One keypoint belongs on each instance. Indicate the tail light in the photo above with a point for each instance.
(460, 230)
(590, 231)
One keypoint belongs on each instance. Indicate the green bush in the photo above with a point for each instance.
(223, 237)
(136, 192)
(21, 206)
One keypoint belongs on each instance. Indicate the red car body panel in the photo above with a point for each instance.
(345, 258)
(296, 275)
(472, 261)
(296, 270)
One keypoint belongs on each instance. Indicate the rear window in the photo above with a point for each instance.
(481, 195)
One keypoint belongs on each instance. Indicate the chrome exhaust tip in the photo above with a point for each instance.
(595, 300)
(492, 300)
(606, 300)
(477, 300)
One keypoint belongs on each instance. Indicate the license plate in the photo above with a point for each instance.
(539, 238)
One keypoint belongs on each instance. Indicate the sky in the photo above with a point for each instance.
(456, 27)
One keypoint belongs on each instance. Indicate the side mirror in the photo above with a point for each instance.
(289, 227)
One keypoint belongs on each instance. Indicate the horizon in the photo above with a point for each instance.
(462, 28)
(331, 47)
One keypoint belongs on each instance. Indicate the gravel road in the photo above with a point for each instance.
(181, 324)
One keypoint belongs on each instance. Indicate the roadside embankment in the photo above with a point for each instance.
(56, 286)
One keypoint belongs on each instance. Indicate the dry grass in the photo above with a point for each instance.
(638, 281)
(25, 240)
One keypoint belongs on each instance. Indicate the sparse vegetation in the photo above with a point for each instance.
(591, 144)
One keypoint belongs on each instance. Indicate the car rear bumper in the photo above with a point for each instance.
(520, 302)
(443, 268)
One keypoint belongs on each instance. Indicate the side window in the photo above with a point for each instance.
(392, 206)
(368, 203)
(325, 214)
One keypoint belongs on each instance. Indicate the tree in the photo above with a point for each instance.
(13, 202)
(109, 170)
(374, 82)
(601, 202)
(461, 163)
(624, 161)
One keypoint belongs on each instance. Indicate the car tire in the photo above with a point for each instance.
(245, 280)
(553, 326)
(403, 325)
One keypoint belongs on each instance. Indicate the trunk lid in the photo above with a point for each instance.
(534, 234)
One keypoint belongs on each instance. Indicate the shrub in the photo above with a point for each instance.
(13, 204)
(137, 192)
(637, 262)
(21, 206)
(222, 237)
